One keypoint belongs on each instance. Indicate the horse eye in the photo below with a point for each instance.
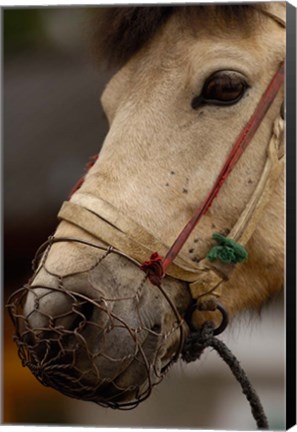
(222, 88)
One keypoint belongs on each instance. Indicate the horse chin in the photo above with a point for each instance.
(96, 335)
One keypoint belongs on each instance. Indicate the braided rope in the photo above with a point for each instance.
(202, 338)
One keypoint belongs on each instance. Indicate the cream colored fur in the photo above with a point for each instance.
(161, 157)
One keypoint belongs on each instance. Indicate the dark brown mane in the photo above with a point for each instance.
(119, 32)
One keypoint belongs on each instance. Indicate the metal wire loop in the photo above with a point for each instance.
(218, 330)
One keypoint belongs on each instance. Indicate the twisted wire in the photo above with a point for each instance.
(60, 356)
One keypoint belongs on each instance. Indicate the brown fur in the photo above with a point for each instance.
(120, 32)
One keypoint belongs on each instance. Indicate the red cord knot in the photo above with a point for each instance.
(154, 268)
(92, 160)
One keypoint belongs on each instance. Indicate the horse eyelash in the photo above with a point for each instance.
(199, 101)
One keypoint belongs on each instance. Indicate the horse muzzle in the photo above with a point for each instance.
(99, 335)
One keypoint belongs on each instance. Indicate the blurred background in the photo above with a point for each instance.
(53, 123)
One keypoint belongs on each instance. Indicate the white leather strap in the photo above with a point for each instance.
(101, 224)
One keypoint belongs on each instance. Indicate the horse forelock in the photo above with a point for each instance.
(120, 32)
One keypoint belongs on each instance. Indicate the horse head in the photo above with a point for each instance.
(91, 322)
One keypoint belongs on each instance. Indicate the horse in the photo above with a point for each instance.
(110, 305)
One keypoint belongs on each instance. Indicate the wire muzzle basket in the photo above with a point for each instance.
(91, 344)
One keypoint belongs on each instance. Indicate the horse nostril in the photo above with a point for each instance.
(87, 346)
(156, 328)
(83, 313)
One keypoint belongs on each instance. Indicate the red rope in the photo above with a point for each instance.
(89, 165)
(153, 268)
(240, 145)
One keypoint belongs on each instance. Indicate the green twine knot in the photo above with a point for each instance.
(227, 250)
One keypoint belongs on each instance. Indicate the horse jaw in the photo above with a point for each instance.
(109, 330)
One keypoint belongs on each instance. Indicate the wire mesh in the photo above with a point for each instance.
(81, 346)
